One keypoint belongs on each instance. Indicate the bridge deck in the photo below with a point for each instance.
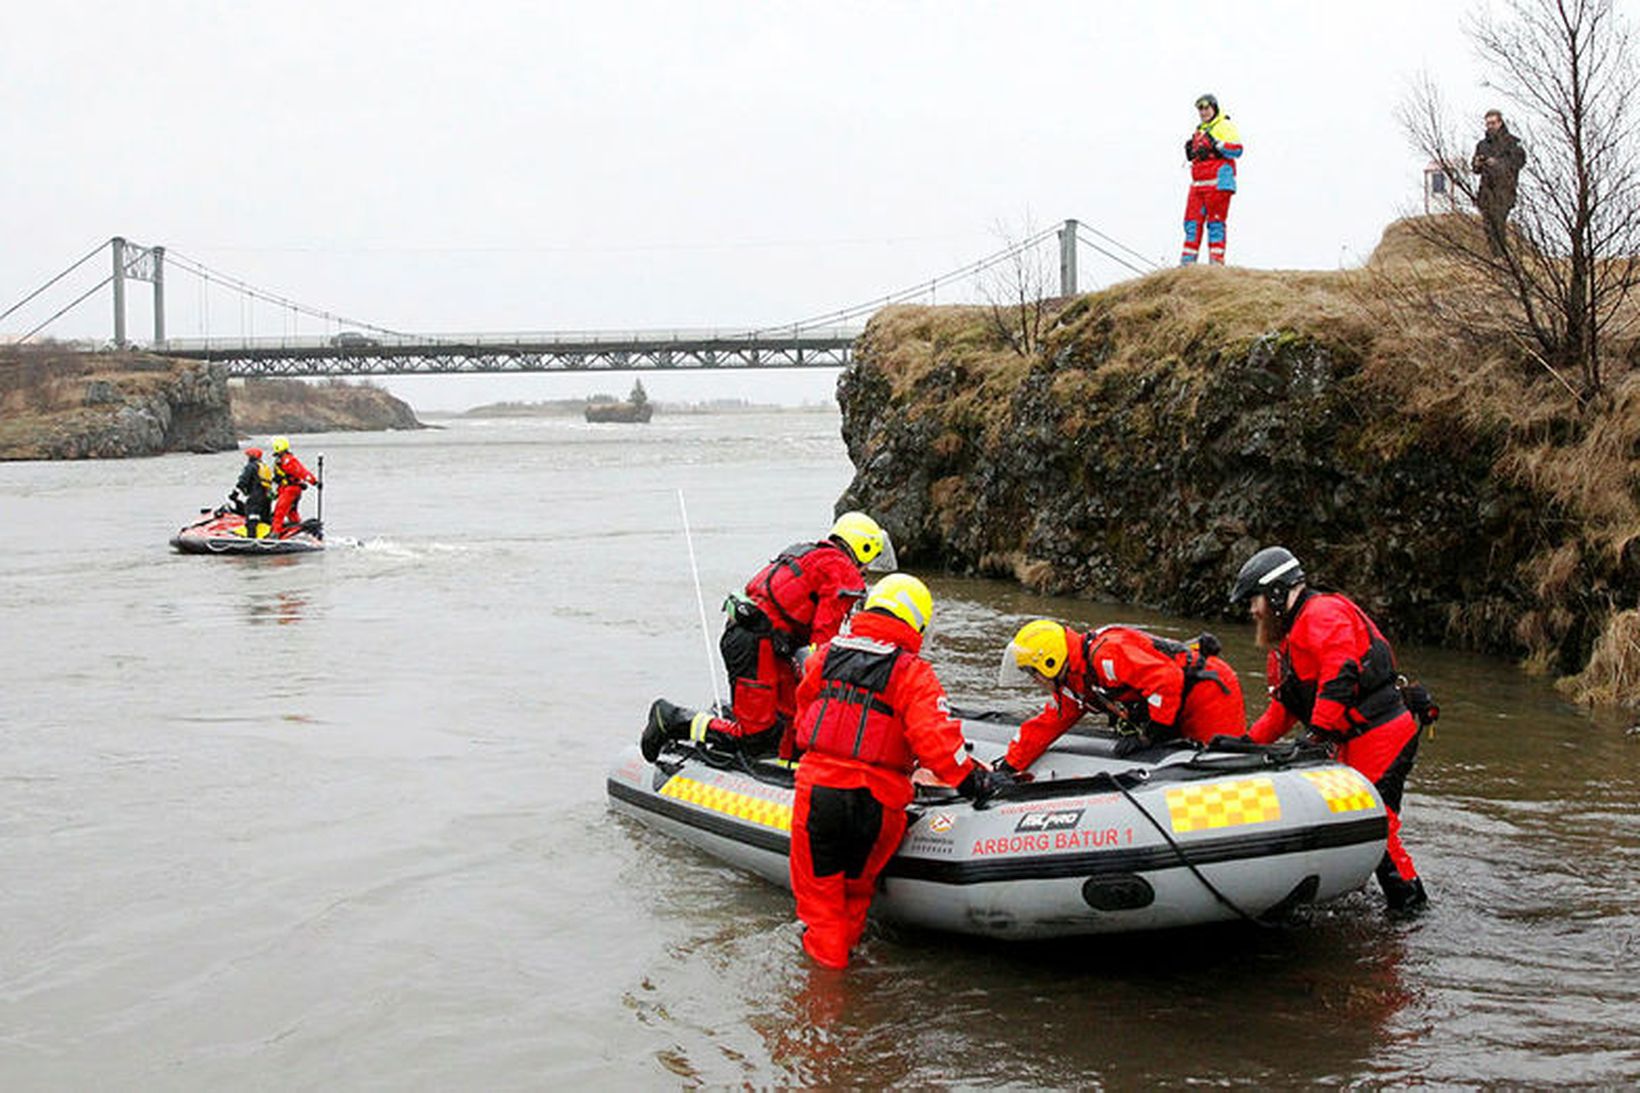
(357, 353)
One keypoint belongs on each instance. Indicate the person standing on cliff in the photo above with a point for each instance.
(250, 494)
(799, 598)
(1498, 159)
(1331, 669)
(1161, 688)
(291, 478)
(1212, 150)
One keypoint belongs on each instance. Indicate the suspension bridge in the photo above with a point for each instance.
(359, 348)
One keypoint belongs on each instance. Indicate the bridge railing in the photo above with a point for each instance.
(360, 340)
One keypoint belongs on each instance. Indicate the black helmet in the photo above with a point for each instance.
(1207, 100)
(1273, 571)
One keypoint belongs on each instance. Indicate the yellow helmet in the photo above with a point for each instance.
(281, 444)
(1039, 647)
(904, 597)
(866, 540)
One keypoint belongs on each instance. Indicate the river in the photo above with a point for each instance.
(339, 821)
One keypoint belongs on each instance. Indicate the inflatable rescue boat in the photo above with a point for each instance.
(1174, 835)
(222, 532)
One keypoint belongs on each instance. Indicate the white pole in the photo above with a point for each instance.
(700, 604)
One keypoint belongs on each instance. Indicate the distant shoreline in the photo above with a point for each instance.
(574, 408)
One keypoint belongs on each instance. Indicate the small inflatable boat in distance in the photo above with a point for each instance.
(220, 531)
(1167, 837)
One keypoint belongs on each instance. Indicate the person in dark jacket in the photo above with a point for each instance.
(1498, 159)
(250, 494)
(1331, 669)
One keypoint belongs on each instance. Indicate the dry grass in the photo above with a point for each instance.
(1612, 676)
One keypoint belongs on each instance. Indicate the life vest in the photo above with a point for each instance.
(1365, 684)
(1191, 659)
(285, 476)
(783, 593)
(851, 717)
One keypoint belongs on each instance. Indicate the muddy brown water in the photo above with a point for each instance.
(339, 821)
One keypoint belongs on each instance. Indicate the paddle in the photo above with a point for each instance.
(319, 514)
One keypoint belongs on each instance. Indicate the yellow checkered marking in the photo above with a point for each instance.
(742, 806)
(1223, 804)
(1343, 790)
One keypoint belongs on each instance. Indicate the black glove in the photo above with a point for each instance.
(1003, 775)
(318, 485)
(1190, 150)
(1127, 744)
(979, 785)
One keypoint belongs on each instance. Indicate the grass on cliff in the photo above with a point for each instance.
(1416, 325)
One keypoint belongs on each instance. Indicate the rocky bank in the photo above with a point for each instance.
(64, 404)
(70, 405)
(1155, 434)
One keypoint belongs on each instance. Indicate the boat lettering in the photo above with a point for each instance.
(1110, 836)
(1014, 844)
(1049, 821)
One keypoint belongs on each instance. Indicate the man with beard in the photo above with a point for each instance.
(1331, 669)
(1498, 159)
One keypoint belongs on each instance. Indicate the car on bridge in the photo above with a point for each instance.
(354, 339)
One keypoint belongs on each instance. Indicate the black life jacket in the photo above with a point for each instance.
(1365, 684)
(851, 717)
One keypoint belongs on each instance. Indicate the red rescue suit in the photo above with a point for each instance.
(1335, 672)
(870, 710)
(1179, 688)
(799, 598)
(1212, 150)
(291, 478)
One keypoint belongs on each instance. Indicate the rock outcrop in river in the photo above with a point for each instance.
(1156, 433)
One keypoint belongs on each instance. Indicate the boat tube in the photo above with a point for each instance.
(1173, 835)
(221, 531)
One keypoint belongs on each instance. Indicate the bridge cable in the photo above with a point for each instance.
(1118, 259)
(94, 252)
(921, 288)
(1080, 224)
(199, 269)
(82, 298)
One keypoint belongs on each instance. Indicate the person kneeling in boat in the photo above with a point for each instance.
(1154, 688)
(250, 495)
(870, 710)
(800, 598)
(1331, 669)
(292, 479)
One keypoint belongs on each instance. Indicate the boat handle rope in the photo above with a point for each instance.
(1179, 850)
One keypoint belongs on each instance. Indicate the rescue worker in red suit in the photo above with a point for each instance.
(1212, 150)
(1331, 669)
(290, 478)
(798, 599)
(870, 710)
(1161, 689)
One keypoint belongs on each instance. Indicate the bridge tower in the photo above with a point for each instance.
(1067, 259)
(139, 264)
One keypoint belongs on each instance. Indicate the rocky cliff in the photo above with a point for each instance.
(1145, 440)
(69, 405)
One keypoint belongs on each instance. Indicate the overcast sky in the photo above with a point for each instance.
(488, 167)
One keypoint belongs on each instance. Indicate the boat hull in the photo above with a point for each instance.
(1095, 845)
(219, 533)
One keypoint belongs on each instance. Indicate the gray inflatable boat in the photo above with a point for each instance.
(1171, 836)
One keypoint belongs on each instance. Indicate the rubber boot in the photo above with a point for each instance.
(666, 722)
(1402, 896)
